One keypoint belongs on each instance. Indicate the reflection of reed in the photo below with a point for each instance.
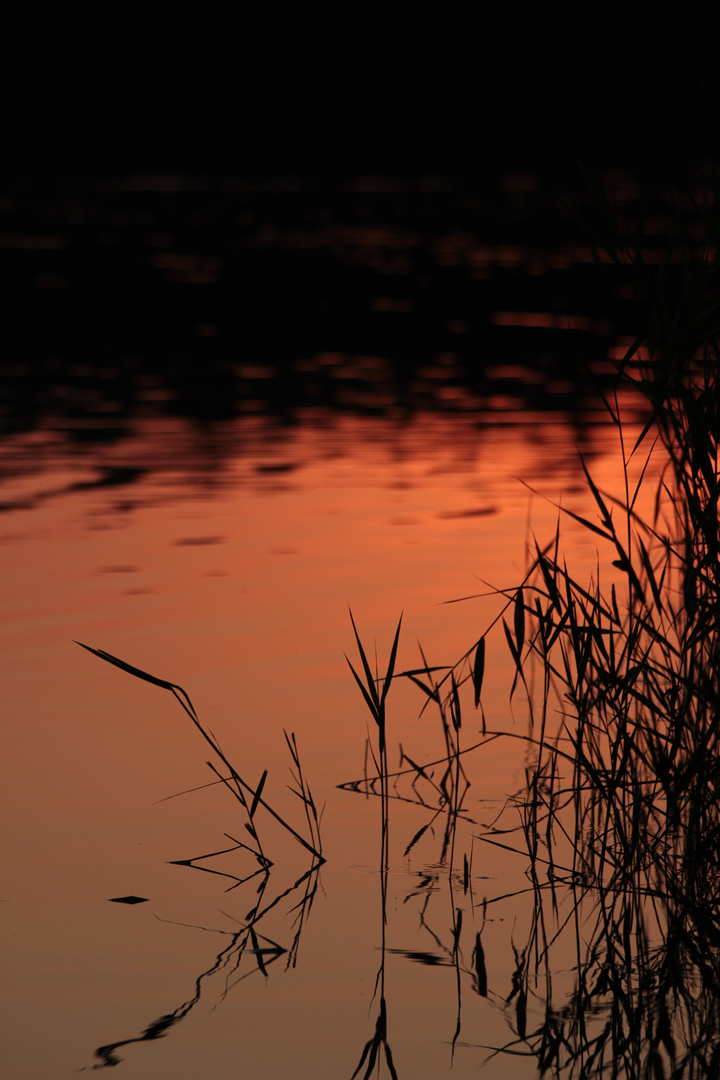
(245, 942)
(375, 702)
(378, 1044)
(644, 1001)
(443, 796)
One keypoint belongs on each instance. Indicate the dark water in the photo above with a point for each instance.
(212, 297)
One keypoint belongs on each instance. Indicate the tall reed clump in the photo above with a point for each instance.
(622, 801)
(620, 814)
(635, 667)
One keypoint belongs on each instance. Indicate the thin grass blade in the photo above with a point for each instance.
(391, 663)
(137, 672)
(372, 703)
(366, 667)
(519, 620)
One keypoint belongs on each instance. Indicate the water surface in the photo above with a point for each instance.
(217, 541)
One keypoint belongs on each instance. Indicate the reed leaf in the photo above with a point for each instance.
(371, 694)
(479, 669)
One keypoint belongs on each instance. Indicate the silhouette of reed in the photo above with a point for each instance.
(619, 818)
(375, 697)
(249, 798)
(247, 941)
(619, 821)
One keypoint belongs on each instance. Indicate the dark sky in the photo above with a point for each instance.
(338, 87)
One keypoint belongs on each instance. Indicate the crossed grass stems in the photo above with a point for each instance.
(247, 941)
(249, 797)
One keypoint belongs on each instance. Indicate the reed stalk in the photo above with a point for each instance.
(237, 786)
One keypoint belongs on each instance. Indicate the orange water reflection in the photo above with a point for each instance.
(228, 566)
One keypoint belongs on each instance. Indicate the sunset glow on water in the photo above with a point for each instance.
(359, 543)
(267, 408)
(236, 583)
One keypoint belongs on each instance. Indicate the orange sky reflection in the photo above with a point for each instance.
(233, 579)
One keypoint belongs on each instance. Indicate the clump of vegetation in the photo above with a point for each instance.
(622, 675)
(620, 816)
(628, 783)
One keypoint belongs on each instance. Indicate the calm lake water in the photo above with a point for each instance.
(232, 412)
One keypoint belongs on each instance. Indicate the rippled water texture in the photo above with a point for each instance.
(232, 411)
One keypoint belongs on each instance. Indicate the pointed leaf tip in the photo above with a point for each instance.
(479, 669)
(391, 662)
(519, 620)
